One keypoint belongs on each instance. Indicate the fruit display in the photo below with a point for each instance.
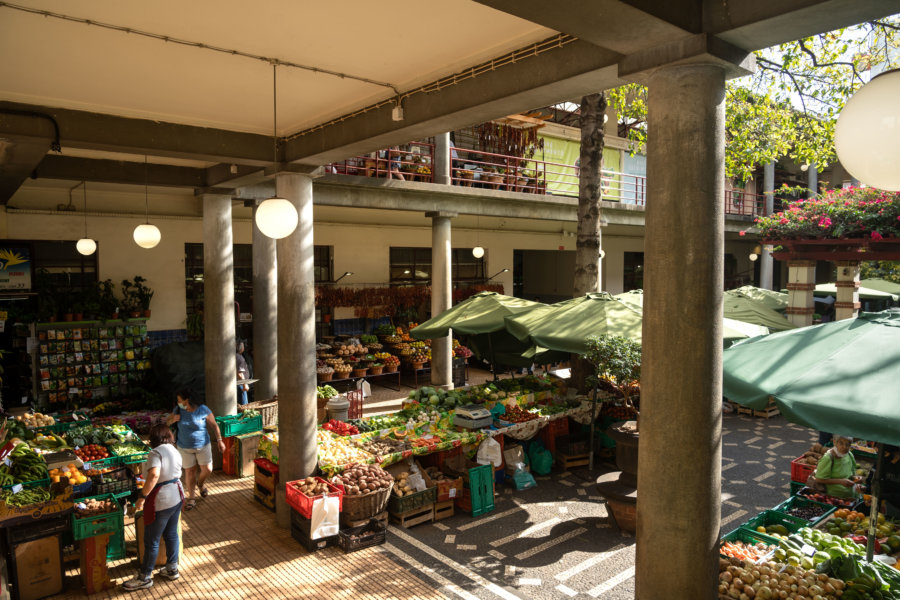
(768, 581)
(36, 420)
(461, 352)
(348, 350)
(416, 356)
(22, 465)
(826, 499)
(311, 486)
(333, 362)
(810, 512)
(746, 551)
(514, 414)
(93, 507)
(774, 529)
(70, 473)
(45, 443)
(343, 371)
(335, 451)
(324, 370)
(393, 339)
(92, 452)
(390, 360)
(25, 496)
(340, 427)
(361, 479)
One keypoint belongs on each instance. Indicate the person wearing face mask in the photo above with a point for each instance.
(837, 469)
(194, 422)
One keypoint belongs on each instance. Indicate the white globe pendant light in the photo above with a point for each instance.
(276, 218)
(477, 251)
(147, 235)
(867, 134)
(86, 246)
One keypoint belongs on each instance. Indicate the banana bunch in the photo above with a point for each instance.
(47, 443)
(22, 465)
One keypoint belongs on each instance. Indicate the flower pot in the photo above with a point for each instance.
(147, 314)
(77, 316)
(324, 376)
(134, 314)
(67, 316)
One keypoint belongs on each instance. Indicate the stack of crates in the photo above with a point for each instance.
(241, 438)
(478, 491)
(265, 482)
(111, 524)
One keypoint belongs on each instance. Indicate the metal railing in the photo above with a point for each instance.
(472, 168)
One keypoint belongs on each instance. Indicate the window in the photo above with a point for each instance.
(412, 266)
(633, 277)
(62, 266)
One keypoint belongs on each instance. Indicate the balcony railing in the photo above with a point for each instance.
(471, 168)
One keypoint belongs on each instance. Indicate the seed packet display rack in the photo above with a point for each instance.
(87, 358)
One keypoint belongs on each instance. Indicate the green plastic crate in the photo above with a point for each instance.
(799, 501)
(398, 505)
(771, 517)
(115, 550)
(232, 425)
(111, 461)
(83, 528)
(45, 482)
(747, 536)
(478, 492)
(796, 487)
(58, 428)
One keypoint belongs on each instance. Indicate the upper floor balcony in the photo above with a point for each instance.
(472, 168)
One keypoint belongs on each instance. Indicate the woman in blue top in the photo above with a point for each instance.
(193, 442)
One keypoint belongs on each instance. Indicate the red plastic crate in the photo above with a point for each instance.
(553, 430)
(229, 457)
(437, 458)
(800, 471)
(356, 404)
(303, 503)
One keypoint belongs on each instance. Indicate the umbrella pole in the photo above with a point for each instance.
(593, 420)
(873, 513)
(493, 360)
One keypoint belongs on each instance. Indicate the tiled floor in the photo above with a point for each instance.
(234, 550)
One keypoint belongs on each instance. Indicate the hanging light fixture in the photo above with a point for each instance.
(85, 245)
(866, 133)
(276, 217)
(147, 235)
(477, 251)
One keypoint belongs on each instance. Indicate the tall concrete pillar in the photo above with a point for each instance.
(296, 341)
(442, 171)
(801, 284)
(812, 181)
(219, 350)
(847, 300)
(680, 452)
(441, 295)
(265, 314)
(766, 262)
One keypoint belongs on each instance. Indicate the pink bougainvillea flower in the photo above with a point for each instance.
(743, 233)
(877, 236)
(826, 222)
(783, 221)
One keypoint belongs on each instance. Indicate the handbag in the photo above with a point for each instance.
(811, 481)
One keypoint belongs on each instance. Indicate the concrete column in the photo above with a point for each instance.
(441, 296)
(296, 341)
(812, 181)
(219, 349)
(766, 262)
(847, 301)
(801, 283)
(442, 171)
(265, 314)
(680, 451)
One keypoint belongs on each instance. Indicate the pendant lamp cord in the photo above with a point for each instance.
(146, 190)
(275, 115)
(84, 189)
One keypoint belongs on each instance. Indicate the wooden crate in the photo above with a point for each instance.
(417, 516)
(443, 510)
(381, 517)
(569, 461)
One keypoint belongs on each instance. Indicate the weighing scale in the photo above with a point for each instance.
(472, 416)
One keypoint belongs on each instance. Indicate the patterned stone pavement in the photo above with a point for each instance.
(553, 541)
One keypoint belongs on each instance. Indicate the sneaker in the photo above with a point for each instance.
(168, 573)
(137, 584)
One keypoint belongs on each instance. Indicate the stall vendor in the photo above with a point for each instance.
(837, 470)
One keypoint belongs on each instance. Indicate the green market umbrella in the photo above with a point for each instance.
(769, 298)
(742, 308)
(830, 289)
(566, 326)
(881, 285)
(837, 376)
(732, 329)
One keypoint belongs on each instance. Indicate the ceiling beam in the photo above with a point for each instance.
(55, 166)
(18, 157)
(95, 131)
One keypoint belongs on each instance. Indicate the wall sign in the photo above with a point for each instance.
(15, 268)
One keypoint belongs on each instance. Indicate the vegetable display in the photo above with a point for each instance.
(340, 428)
(22, 465)
(36, 420)
(93, 507)
(362, 479)
(25, 496)
(92, 452)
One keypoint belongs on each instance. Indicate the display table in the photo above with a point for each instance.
(370, 378)
(416, 372)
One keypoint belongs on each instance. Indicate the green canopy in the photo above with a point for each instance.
(742, 308)
(881, 285)
(731, 329)
(830, 289)
(769, 298)
(481, 313)
(836, 377)
(566, 326)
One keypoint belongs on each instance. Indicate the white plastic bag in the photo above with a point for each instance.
(363, 385)
(489, 452)
(326, 514)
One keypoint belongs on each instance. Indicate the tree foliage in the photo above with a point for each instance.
(880, 269)
(789, 106)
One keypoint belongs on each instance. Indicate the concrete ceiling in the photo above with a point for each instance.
(205, 117)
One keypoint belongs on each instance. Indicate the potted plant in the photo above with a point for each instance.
(107, 303)
(617, 361)
(137, 296)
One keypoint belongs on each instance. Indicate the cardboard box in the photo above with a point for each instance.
(447, 489)
(246, 447)
(38, 565)
(92, 558)
(161, 557)
(458, 466)
(512, 455)
(59, 504)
